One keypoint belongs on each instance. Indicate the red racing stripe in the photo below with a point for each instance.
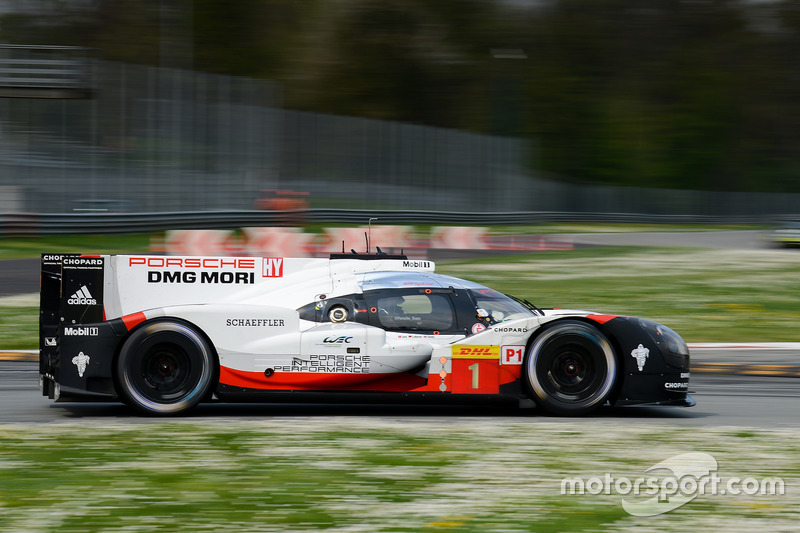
(384, 382)
(601, 319)
(131, 321)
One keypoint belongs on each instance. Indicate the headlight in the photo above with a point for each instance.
(674, 343)
(673, 348)
(676, 353)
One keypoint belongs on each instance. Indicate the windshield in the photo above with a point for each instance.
(498, 306)
(415, 312)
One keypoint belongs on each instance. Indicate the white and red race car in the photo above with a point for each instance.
(164, 333)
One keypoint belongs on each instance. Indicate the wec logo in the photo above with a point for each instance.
(337, 340)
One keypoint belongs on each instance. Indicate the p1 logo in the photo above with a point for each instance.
(511, 354)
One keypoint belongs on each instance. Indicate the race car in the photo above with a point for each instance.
(787, 235)
(163, 333)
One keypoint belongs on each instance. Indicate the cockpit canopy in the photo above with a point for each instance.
(420, 302)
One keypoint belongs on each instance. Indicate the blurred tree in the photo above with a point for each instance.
(407, 60)
(248, 37)
(691, 94)
(121, 30)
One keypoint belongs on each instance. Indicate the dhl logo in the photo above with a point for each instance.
(462, 351)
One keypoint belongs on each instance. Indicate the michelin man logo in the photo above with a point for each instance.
(641, 354)
(81, 360)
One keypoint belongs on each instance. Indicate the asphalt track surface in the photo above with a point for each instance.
(19, 276)
(722, 400)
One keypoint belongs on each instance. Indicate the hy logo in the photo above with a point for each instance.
(273, 267)
(82, 297)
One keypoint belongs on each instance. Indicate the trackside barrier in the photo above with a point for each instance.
(293, 242)
(281, 242)
(528, 243)
(387, 237)
(199, 242)
(459, 238)
(96, 223)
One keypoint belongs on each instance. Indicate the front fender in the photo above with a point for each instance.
(651, 371)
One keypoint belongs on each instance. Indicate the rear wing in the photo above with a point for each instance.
(70, 293)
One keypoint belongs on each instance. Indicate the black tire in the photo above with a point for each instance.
(165, 368)
(570, 369)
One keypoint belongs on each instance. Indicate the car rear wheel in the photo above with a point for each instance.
(570, 369)
(165, 367)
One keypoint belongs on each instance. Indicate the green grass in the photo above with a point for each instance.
(19, 328)
(706, 295)
(33, 246)
(363, 474)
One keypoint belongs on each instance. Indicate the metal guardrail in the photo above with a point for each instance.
(110, 223)
(30, 71)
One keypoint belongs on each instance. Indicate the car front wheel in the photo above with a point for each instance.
(570, 369)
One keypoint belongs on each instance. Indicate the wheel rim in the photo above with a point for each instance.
(570, 374)
(166, 373)
(165, 368)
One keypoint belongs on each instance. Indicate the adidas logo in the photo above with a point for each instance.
(82, 297)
